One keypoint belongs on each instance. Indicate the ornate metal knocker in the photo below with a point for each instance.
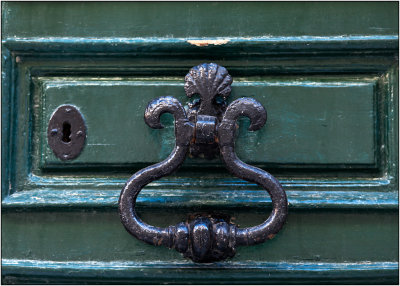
(208, 127)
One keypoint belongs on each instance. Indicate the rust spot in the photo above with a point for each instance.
(204, 43)
(271, 236)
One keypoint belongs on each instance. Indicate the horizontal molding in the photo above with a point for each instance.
(156, 44)
(351, 38)
(119, 265)
(232, 272)
(220, 199)
(60, 182)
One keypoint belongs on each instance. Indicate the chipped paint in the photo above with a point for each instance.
(204, 43)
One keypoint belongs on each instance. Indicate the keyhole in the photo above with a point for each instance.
(66, 132)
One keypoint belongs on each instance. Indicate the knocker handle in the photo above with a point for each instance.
(258, 116)
(208, 129)
(127, 201)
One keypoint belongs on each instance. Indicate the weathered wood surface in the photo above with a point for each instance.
(327, 73)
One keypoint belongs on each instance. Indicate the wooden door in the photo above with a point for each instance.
(327, 73)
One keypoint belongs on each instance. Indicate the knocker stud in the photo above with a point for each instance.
(208, 129)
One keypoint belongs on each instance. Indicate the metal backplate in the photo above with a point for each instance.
(66, 132)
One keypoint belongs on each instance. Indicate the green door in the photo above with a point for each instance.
(327, 74)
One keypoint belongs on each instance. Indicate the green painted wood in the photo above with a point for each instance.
(251, 49)
(32, 67)
(67, 272)
(92, 243)
(61, 223)
(206, 198)
(323, 236)
(311, 121)
(6, 103)
(211, 19)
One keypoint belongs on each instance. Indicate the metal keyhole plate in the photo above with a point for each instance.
(66, 132)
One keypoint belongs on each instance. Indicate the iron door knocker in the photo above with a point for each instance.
(208, 128)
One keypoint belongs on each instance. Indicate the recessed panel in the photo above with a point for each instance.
(316, 121)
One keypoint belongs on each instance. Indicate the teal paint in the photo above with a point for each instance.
(178, 272)
(355, 205)
(190, 198)
(236, 47)
(335, 235)
(208, 19)
(327, 132)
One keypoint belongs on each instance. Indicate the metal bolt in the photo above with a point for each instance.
(68, 110)
(65, 156)
(79, 133)
(54, 132)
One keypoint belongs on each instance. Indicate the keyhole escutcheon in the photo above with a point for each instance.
(66, 132)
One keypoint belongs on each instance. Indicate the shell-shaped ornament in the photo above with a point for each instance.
(208, 80)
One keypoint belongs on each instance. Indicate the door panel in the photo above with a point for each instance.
(327, 74)
(310, 121)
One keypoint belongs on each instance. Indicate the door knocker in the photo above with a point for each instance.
(208, 128)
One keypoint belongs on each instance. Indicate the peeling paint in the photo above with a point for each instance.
(204, 43)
